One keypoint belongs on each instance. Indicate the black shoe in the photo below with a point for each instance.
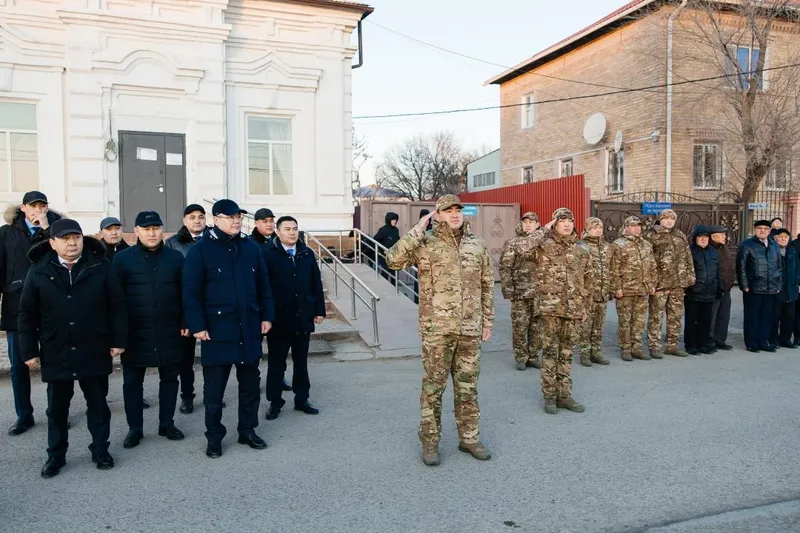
(53, 466)
(187, 406)
(770, 349)
(21, 426)
(214, 450)
(171, 432)
(103, 460)
(754, 350)
(145, 404)
(133, 439)
(273, 412)
(307, 408)
(252, 440)
(724, 346)
(286, 386)
(224, 405)
(691, 351)
(789, 346)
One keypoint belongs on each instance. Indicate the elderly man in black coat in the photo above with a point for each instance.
(111, 237)
(150, 275)
(299, 304)
(72, 321)
(228, 306)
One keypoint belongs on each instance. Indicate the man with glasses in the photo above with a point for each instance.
(228, 306)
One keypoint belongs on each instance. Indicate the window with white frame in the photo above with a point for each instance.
(779, 178)
(565, 168)
(483, 180)
(528, 111)
(527, 175)
(19, 147)
(615, 173)
(269, 156)
(746, 62)
(707, 167)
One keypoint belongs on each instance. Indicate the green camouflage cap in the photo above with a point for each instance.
(530, 215)
(563, 213)
(448, 200)
(632, 221)
(592, 222)
(667, 213)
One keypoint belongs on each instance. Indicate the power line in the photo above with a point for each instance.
(571, 98)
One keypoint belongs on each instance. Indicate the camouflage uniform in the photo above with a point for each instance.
(599, 291)
(675, 273)
(633, 271)
(561, 297)
(456, 282)
(516, 279)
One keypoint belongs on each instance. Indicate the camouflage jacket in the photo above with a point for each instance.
(633, 266)
(598, 280)
(456, 281)
(673, 258)
(516, 273)
(561, 269)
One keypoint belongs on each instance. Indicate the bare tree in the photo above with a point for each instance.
(360, 157)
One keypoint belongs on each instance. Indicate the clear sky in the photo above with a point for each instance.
(400, 75)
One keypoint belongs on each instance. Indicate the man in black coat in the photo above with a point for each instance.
(72, 322)
(193, 229)
(387, 236)
(700, 297)
(783, 314)
(26, 225)
(111, 237)
(758, 269)
(151, 275)
(299, 304)
(228, 305)
(264, 231)
(721, 309)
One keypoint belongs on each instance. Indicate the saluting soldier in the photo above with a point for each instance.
(598, 286)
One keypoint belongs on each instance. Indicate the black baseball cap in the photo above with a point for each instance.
(191, 208)
(263, 213)
(65, 226)
(226, 207)
(109, 221)
(145, 219)
(34, 196)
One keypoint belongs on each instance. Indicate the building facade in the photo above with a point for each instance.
(115, 106)
(484, 172)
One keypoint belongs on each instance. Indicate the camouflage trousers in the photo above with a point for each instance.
(631, 311)
(592, 331)
(672, 301)
(559, 337)
(524, 333)
(443, 355)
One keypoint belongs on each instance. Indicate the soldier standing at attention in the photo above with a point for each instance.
(675, 274)
(597, 285)
(633, 279)
(516, 278)
(456, 313)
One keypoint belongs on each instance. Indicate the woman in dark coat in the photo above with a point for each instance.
(784, 310)
(700, 297)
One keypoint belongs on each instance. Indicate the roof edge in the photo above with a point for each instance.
(364, 9)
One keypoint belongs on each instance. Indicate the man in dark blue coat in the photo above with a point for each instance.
(151, 276)
(72, 321)
(758, 269)
(228, 305)
(783, 314)
(299, 305)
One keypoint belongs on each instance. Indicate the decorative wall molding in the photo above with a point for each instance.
(187, 79)
(270, 69)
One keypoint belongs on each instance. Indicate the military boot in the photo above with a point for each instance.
(430, 454)
(534, 363)
(656, 353)
(477, 450)
(626, 356)
(570, 404)
(586, 359)
(677, 352)
(599, 359)
(639, 354)
(521, 365)
(550, 406)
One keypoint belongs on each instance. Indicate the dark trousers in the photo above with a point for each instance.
(187, 368)
(98, 415)
(133, 390)
(721, 317)
(797, 322)
(697, 330)
(215, 379)
(757, 319)
(20, 378)
(782, 323)
(279, 345)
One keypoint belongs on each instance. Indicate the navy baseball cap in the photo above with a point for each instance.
(109, 221)
(65, 226)
(34, 196)
(145, 219)
(191, 208)
(263, 213)
(226, 207)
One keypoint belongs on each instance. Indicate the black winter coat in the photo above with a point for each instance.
(758, 268)
(707, 274)
(112, 251)
(727, 265)
(791, 276)
(72, 326)
(296, 288)
(183, 240)
(260, 240)
(151, 281)
(388, 235)
(15, 241)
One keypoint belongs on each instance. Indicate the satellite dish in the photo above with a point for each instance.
(595, 129)
(618, 141)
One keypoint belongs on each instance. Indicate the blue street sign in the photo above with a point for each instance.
(470, 210)
(758, 205)
(655, 208)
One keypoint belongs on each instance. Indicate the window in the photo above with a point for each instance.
(707, 170)
(779, 178)
(528, 111)
(565, 168)
(746, 64)
(19, 147)
(615, 176)
(527, 175)
(269, 156)
(483, 180)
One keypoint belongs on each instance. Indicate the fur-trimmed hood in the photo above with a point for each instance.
(256, 236)
(185, 237)
(90, 245)
(14, 215)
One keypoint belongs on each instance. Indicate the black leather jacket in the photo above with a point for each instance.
(758, 267)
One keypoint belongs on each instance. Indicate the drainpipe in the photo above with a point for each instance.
(360, 49)
(670, 23)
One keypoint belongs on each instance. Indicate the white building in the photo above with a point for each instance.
(484, 172)
(115, 106)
